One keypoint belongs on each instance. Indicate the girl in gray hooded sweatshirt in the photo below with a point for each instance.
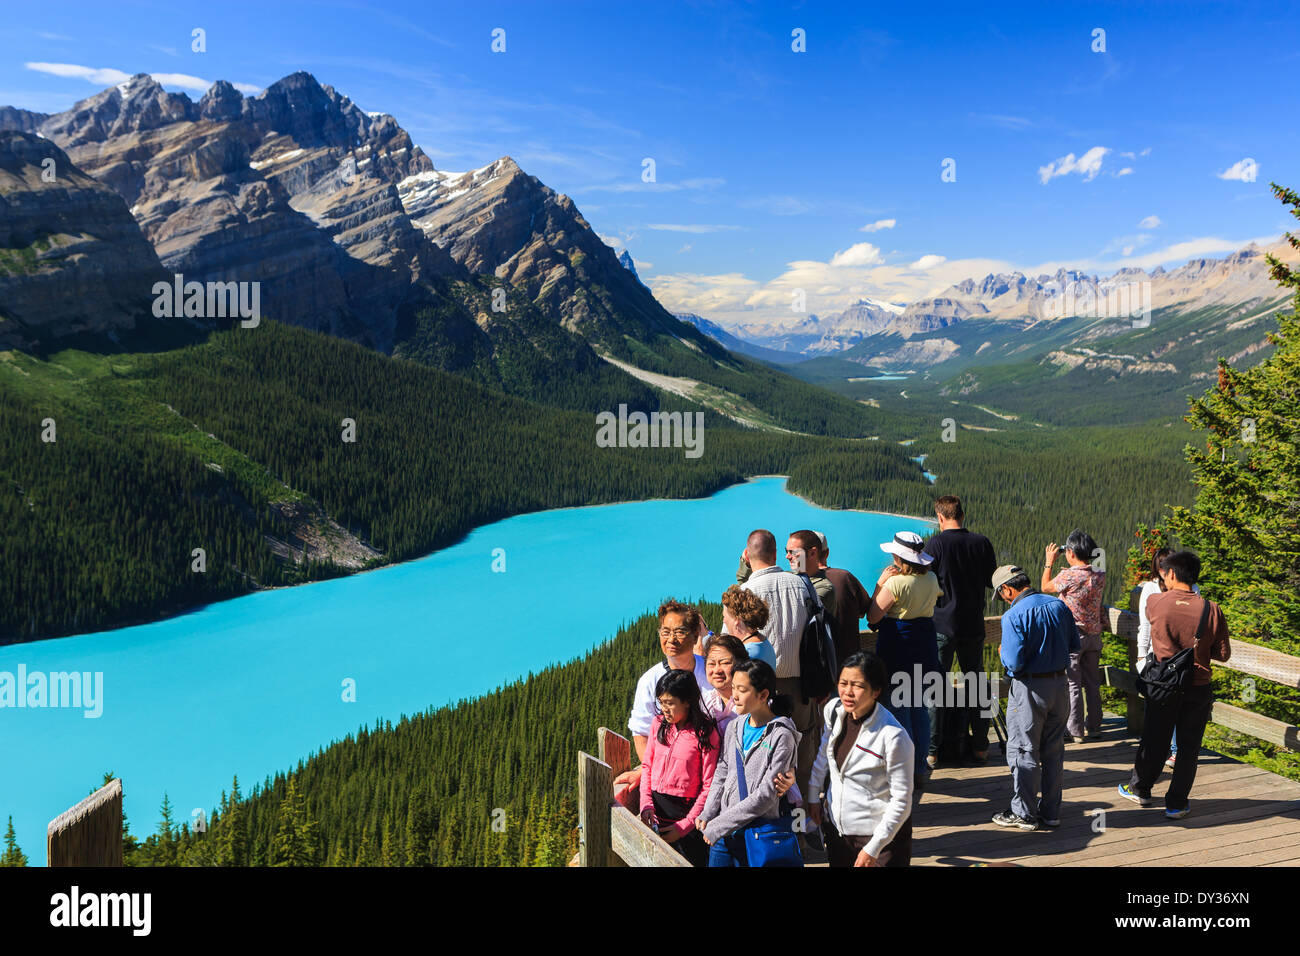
(768, 741)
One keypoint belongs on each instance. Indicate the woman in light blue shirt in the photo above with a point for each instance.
(744, 614)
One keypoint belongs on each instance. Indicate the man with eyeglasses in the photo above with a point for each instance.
(1038, 637)
(679, 625)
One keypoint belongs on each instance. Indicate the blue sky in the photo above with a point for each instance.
(777, 169)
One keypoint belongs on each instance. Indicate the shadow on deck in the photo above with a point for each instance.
(1241, 815)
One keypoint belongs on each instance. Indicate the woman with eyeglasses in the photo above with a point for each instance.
(678, 626)
(681, 755)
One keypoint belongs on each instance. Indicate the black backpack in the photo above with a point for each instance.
(818, 673)
(1163, 681)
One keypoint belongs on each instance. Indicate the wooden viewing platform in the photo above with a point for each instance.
(1241, 815)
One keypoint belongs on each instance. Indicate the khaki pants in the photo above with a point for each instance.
(807, 719)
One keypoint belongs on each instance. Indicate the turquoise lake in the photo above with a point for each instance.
(252, 685)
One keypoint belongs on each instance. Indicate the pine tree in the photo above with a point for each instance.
(232, 844)
(1246, 521)
(295, 842)
(12, 855)
(165, 838)
(419, 828)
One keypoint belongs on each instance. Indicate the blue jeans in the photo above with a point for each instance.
(729, 851)
(916, 721)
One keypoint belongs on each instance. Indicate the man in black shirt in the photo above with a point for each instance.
(964, 562)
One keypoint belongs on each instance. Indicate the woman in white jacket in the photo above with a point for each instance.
(866, 765)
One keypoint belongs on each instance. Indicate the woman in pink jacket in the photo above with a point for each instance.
(680, 757)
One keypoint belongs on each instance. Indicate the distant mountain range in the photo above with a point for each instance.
(919, 335)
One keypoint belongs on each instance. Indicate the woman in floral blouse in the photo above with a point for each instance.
(1080, 586)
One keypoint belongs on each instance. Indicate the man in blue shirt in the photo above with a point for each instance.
(1038, 636)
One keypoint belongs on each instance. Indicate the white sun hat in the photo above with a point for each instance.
(907, 545)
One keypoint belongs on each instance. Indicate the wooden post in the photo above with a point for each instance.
(615, 750)
(1136, 706)
(89, 834)
(595, 788)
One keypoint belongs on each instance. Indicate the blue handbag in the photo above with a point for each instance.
(768, 842)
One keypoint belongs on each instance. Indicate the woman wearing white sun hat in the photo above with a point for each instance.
(902, 609)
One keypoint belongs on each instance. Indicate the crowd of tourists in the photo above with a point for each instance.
(780, 734)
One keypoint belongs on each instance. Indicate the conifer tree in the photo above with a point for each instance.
(12, 855)
(232, 844)
(164, 850)
(1246, 522)
(296, 838)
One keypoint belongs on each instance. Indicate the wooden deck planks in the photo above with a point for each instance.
(1241, 815)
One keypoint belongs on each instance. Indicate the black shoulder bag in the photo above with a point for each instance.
(1164, 681)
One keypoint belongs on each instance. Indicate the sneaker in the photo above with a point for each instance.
(932, 761)
(1008, 819)
(1177, 814)
(1092, 734)
(1051, 824)
(1069, 739)
(1130, 794)
(979, 759)
(1170, 762)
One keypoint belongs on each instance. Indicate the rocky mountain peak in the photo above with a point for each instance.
(133, 106)
(221, 102)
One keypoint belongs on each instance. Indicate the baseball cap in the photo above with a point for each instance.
(1004, 574)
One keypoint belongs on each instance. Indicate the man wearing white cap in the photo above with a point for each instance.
(903, 607)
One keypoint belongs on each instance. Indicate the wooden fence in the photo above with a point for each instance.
(1249, 659)
(609, 834)
(90, 834)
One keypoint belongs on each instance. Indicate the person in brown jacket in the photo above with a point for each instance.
(1174, 617)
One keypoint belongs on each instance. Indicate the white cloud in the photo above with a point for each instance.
(1125, 171)
(1150, 222)
(107, 76)
(103, 76)
(1243, 170)
(183, 80)
(614, 242)
(878, 225)
(685, 248)
(689, 227)
(734, 299)
(1088, 165)
(858, 254)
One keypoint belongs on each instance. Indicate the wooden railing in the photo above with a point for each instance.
(1249, 659)
(89, 834)
(608, 833)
